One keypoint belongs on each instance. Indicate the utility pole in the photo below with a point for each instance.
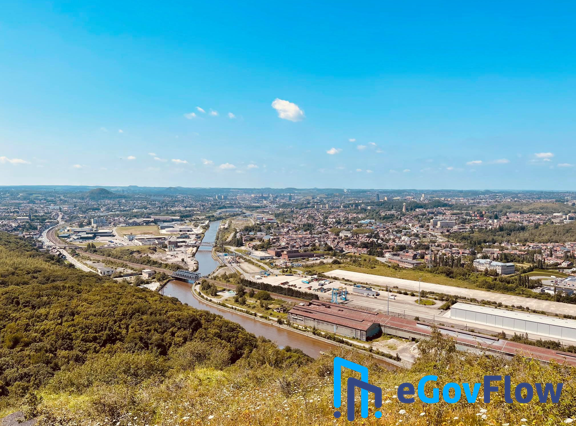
(388, 292)
(419, 283)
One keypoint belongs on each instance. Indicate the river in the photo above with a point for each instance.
(206, 264)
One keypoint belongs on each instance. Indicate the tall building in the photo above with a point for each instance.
(404, 208)
(377, 197)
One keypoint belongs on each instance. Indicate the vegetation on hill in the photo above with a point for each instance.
(102, 194)
(517, 233)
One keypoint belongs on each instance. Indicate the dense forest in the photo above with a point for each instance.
(56, 320)
(517, 233)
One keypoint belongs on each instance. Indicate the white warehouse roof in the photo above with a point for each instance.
(542, 319)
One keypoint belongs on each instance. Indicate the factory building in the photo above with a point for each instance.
(517, 321)
(338, 319)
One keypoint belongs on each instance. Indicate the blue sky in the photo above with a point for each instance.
(322, 94)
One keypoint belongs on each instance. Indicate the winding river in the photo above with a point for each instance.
(206, 264)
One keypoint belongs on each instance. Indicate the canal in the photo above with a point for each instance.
(206, 264)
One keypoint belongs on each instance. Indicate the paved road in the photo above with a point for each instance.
(75, 262)
(505, 299)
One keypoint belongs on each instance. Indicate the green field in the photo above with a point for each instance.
(138, 230)
(406, 274)
(546, 273)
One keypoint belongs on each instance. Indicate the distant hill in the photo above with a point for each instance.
(102, 194)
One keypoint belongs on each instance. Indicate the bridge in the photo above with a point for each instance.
(184, 275)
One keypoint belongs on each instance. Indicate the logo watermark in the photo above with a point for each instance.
(407, 392)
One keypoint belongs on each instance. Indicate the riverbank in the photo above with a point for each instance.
(391, 363)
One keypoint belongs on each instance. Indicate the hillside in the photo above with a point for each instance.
(102, 194)
(515, 233)
(82, 350)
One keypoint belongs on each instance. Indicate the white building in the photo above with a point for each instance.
(499, 267)
(104, 271)
(515, 321)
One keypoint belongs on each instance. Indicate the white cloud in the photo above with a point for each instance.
(120, 131)
(372, 143)
(227, 166)
(77, 166)
(361, 147)
(207, 162)
(501, 161)
(131, 157)
(288, 110)
(474, 163)
(190, 115)
(379, 151)
(450, 168)
(333, 151)
(213, 113)
(565, 165)
(201, 110)
(406, 170)
(544, 155)
(252, 166)
(352, 140)
(231, 116)
(160, 159)
(153, 154)
(368, 171)
(14, 161)
(177, 161)
(358, 170)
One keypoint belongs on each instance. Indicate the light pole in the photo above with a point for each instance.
(419, 283)
(388, 292)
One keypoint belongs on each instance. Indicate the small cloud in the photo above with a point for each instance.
(544, 155)
(130, 157)
(379, 151)
(231, 116)
(333, 151)
(152, 154)
(450, 168)
(351, 140)
(361, 147)
(474, 163)
(160, 159)
(358, 170)
(501, 161)
(177, 161)
(252, 166)
(207, 162)
(288, 110)
(120, 131)
(565, 165)
(368, 171)
(406, 171)
(190, 115)
(14, 161)
(213, 113)
(227, 166)
(201, 110)
(393, 171)
(372, 144)
(77, 166)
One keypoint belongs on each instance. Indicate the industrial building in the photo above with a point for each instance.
(337, 319)
(517, 321)
(499, 267)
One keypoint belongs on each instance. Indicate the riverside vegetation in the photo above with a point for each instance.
(77, 349)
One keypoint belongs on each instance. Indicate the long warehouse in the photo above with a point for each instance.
(516, 321)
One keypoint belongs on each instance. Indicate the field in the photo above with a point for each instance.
(387, 271)
(138, 230)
